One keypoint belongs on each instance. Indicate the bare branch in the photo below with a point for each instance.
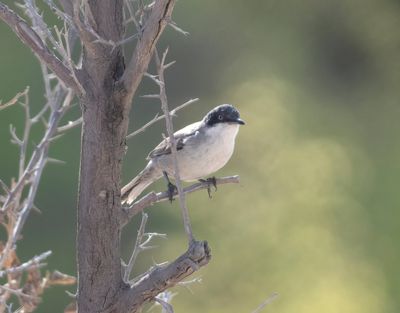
(35, 262)
(14, 99)
(153, 198)
(4, 187)
(151, 96)
(132, 17)
(136, 249)
(27, 129)
(160, 12)
(18, 293)
(266, 302)
(167, 307)
(59, 279)
(70, 125)
(14, 137)
(158, 118)
(30, 173)
(161, 278)
(178, 29)
(31, 39)
(168, 120)
(65, 16)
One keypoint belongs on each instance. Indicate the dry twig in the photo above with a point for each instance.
(159, 118)
(152, 197)
(160, 80)
(265, 303)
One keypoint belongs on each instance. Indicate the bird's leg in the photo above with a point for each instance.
(171, 188)
(210, 181)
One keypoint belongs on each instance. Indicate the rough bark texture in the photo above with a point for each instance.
(102, 149)
(105, 108)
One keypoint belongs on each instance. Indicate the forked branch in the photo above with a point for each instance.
(31, 39)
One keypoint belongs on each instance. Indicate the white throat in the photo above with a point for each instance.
(224, 132)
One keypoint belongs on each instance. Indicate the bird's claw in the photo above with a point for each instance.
(171, 191)
(210, 181)
(171, 188)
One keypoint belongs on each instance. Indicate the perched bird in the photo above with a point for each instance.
(202, 149)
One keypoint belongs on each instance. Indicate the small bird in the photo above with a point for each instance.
(202, 149)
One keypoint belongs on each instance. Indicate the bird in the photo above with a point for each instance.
(203, 148)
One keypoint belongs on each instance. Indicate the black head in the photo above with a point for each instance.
(224, 113)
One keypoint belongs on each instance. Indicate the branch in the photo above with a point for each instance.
(13, 100)
(158, 118)
(167, 307)
(266, 302)
(137, 248)
(17, 203)
(32, 263)
(31, 39)
(153, 198)
(160, 278)
(161, 66)
(70, 125)
(154, 26)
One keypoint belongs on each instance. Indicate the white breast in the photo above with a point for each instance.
(209, 152)
(204, 153)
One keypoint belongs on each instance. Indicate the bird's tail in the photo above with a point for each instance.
(135, 187)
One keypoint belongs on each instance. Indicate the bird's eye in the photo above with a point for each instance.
(220, 117)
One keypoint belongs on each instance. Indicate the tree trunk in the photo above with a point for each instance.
(98, 238)
(105, 122)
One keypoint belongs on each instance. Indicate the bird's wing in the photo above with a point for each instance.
(181, 136)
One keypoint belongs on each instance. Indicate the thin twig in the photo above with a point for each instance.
(136, 249)
(14, 99)
(178, 29)
(31, 39)
(25, 138)
(153, 198)
(266, 302)
(35, 262)
(33, 170)
(188, 283)
(153, 26)
(18, 292)
(170, 130)
(132, 16)
(70, 125)
(166, 307)
(158, 118)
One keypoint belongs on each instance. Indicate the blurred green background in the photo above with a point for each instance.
(316, 215)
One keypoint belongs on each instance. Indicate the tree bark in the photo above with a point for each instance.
(105, 109)
(98, 236)
(105, 122)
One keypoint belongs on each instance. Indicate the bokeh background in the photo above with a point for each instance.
(316, 215)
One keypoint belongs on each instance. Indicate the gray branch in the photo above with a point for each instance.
(137, 248)
(16, 206)
(159, 118)
(153, 197)
(266, 302)
(161, 66)
(152, 29)
(31, 39)
(35, 262)
(161, 278)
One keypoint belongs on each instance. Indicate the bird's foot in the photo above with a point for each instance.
(171, 189)
(210, 181)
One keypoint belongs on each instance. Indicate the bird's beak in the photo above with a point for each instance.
(240, 121)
